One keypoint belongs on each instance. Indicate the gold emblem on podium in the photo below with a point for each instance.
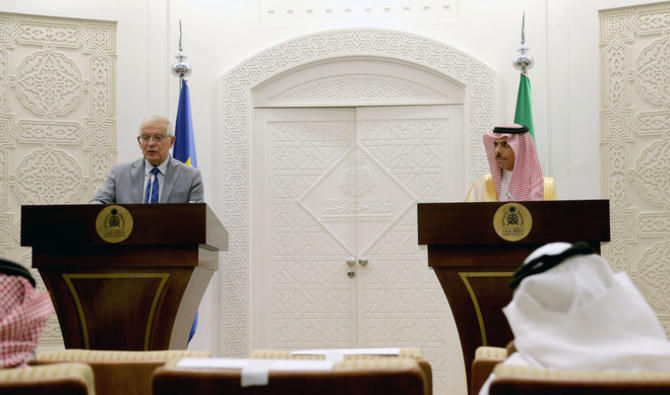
(114, 224)
(512, 221)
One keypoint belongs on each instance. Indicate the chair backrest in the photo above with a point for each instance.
(414, 353)
(512, 379)
(362, 376)
(486, 358)
(57, 379)
(119, 372)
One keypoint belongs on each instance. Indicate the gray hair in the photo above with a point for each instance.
(157, 118)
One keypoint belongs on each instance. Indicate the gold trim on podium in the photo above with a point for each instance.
(68, 279)
(464, 277)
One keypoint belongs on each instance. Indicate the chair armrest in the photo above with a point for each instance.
(62, 378)
(527, 380)
(368, 376)
(486, 358)
(119, 372)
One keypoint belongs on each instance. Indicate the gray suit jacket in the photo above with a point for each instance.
(124, 185)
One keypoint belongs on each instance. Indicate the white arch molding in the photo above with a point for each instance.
(232, 141)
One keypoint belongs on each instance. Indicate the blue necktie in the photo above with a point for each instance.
(151, 194)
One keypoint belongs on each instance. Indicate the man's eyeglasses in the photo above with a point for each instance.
(145, 138)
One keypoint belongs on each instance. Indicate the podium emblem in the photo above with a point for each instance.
(114, 224)
(512, 221)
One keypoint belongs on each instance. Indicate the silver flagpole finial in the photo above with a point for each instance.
(179, 47)
(181, 69)
(523, 62)
(523, 30)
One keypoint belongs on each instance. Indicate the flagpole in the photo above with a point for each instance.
(184, 146)
(523, 113)
(523, 62)
(180, 68)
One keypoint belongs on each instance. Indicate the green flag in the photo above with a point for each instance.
(524, 113)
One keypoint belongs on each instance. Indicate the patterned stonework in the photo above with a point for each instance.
(651, 71)
(49, 84)
(635, 145)
(48, 176)
(478, 82)
(3, 77)
(57, 120)
(357, 88)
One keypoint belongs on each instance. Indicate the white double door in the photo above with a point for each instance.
(334, 254)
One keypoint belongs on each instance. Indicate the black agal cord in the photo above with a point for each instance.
(546, 262)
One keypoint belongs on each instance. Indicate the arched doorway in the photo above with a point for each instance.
(404, 74)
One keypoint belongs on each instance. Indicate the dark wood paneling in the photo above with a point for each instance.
(460, 224)
(160, 224)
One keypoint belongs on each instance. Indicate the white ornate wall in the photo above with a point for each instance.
(57, 120)
(635, 145)
(235, 126)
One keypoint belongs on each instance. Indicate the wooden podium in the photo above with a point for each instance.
(140, 289)
(474, 264)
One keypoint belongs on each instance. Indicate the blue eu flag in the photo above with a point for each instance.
(184, 148)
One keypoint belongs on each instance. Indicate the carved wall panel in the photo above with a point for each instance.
(57, 120)
(635, 145)
(358, 88)
(236, 122)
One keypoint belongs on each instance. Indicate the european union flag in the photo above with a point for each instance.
(184, 148)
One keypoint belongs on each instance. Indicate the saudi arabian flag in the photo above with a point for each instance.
(524, 113)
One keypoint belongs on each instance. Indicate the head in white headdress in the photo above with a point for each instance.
(570, 311)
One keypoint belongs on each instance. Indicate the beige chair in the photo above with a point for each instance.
(406, 352)
(118, 372)
(362, 376)
(524, 380)
(58, 379)
(486, 358)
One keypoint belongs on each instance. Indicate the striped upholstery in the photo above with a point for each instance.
(490, 352)
(486, 358)
(20, 380)
(125, 356)
(548, 374)
(376, 363)
(523, 380)
(119, 372)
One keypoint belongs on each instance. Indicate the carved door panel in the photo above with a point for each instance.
(301, 294)
(418, 151)
(335, 256)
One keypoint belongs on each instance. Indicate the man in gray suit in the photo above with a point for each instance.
(156, 178)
